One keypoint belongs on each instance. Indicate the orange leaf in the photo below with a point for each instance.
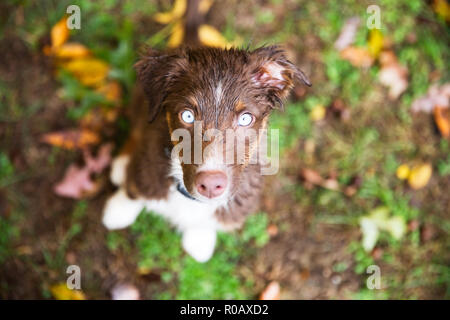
(71, 51)
(71, 139)
(90, 71)
(59, 33)
(441, 117)
(112, 91)
(358, 57)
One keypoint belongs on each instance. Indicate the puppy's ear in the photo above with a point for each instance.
(274, 73)
(155, 72)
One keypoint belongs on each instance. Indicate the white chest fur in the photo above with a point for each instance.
(194, 219)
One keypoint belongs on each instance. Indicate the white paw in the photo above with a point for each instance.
(120, 211)
(119, 170)
(199, 243)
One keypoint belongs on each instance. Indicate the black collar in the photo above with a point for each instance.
(184, 192)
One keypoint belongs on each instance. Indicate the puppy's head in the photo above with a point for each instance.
(220, 99)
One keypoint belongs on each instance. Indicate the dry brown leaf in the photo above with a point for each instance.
(59, 33)
(272, 230)
(71, 139)
(271, 292)
(442, 119)
(392, 74)
(62, 292)
(101, 161)
(312, 176)
(357, 56)
(352, 188)
(77, 182)
(420, 175)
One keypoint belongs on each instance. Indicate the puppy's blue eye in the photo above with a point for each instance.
(187, 116)
(245, 119)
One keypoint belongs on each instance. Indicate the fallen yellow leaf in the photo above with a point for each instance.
(71, 51)
(442, 8)
(211, 37)
(375, 43)
(177, 36)
(143, 270)
(420, 175)
(59, 33)
(317, 113)
(403, 172)
(90, 71)
(62, 292)
(204, 6)
(178, 10)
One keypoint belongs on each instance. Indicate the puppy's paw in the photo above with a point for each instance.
(199, 243)
(119, 169)
(120, 211)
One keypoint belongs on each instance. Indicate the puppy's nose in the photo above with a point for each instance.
(211, 184)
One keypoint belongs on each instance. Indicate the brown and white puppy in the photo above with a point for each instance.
(199, 93)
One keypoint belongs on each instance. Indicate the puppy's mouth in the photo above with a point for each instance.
(182, 189)
(184, 192)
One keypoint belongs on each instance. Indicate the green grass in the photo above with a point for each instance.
(8, 229)
(159, 250)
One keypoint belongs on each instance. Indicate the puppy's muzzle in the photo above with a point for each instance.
(211, 184)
